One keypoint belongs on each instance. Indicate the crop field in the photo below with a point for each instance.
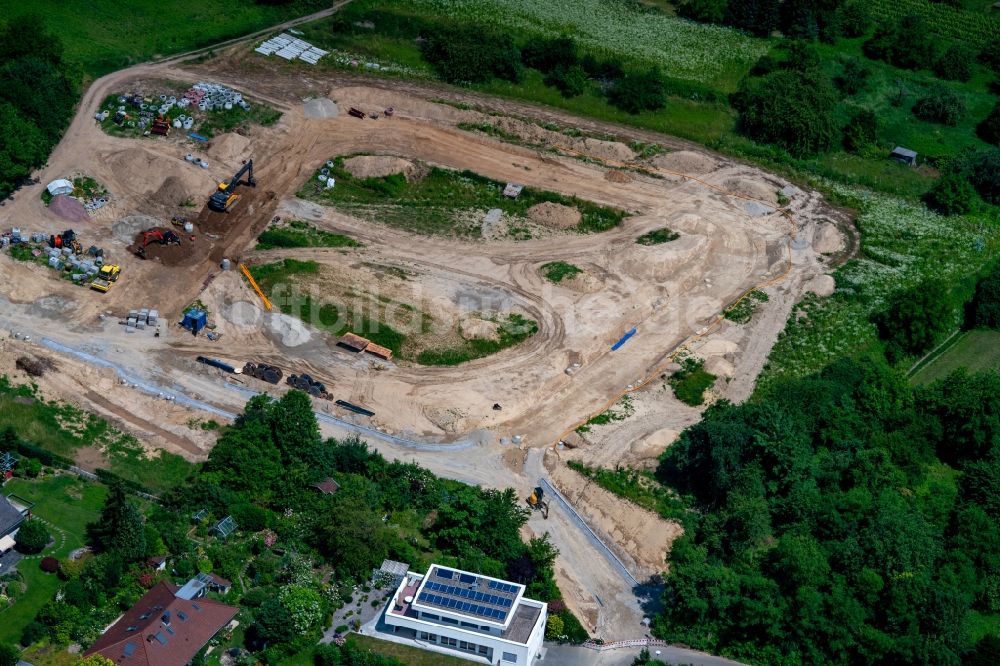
(103, 36)
(974, 350)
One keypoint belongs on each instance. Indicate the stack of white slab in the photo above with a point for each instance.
(289, 47)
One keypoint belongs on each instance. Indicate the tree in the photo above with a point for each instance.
(571, 81)
(984, 174)
(940, 105)
(986, 301)
(861, 131)
(907, 44)
(639, 91)
(272, 623)
(705, 11)
(547, 53)
(791, 109)
(951, 195)
(956, 63)
(854, 76)
(990, 55)
(989, 129)
(915, 319)
(472, 54)
(758, 17)
(9, 655)
(304, 606)
(121, 528)
(32, 537)
(853, 18)
(554, 627)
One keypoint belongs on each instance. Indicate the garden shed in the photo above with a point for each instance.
(904, 156)
(224, 527)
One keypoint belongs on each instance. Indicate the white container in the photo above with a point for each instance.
(321, 178)
(15, 233)
(177, 124)
(226, 265)
(188, 227)
(227, 106)
(203, 164)
(189, 157)
(330, 182)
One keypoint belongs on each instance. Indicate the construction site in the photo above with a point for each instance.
(495, 366)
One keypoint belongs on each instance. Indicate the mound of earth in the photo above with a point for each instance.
(607, 150)
(125, 229)
(654, 444)
(686, 161)
(68, 208)
(378, 166)
(171, 193)
(719, 367)
(230, 147)
(750, 188)
(582, 282)
(288, 330)
(828, 239)
(474, 328)
(126, 164)
(822, 285)
(616, 176)
(554, 216)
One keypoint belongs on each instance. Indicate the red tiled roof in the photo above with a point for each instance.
(144, 627)
(326, 486)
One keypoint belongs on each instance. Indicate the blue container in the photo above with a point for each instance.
(195, 320)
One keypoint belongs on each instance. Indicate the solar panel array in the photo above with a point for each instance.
(468, 606)
(503, 587)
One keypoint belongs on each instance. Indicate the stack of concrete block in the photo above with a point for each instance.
(140, 319)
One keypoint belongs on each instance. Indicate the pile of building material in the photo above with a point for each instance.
(212, 96)
(311, 386)
(139, 320)
(290, 47)
(268, 373)
(356, 343)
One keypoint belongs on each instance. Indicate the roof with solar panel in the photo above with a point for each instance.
(477, 597)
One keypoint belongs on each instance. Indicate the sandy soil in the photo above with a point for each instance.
(672, 293)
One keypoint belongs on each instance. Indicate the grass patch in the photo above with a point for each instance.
(444, 201)
(742, 311)
(220, 121)
(513, 329)
(297, 233)
(976, 350)
(618, 412)
(410, 656)
(557, 271)
(68, 503)
(658, 236)
(491, 130)
(22, 252)
(691, 381)
(637, 486)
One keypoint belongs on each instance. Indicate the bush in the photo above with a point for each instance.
(30, 468)
(861, 132)
(956, 63)
(789, 108)
(853, 77)
(989, 129)
(853, 18)
(639, 91)
(691, 381)
(554, 627)
(940, 105)
(32, 538)
(915, 319)
(907, 44)
(575, 632)
(546, 54)
(571, 81)
(32, 633)
(49, 565)
(984, 174)
(472, 54)
(990, 56)
(705, 11)
(986, 301)
(951, 195)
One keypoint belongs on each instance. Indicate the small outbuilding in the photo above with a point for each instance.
(60, 186)
(327, 486)
(380, 351)
(904, 156)
(195, 320)
(352, 342)
(224, 527)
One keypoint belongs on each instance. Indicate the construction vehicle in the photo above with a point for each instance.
(100, 285)
(225, 197)
(160, 126)
(156, 235)
(107, 276)
(537, 502)
(65, 239)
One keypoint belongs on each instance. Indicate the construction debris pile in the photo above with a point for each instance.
(156, 114)
(290, 47)
(63, 252)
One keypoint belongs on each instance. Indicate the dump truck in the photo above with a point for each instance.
(225, 197)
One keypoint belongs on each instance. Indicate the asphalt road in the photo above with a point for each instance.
(569, 655)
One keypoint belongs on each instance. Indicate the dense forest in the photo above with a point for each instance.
(38, 91)
(844, 518)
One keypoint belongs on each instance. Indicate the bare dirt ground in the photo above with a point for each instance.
(672, 293)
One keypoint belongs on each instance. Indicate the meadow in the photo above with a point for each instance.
(974, 350)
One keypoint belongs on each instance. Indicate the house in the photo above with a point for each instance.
(157, 563)
(904, 156)
(327, 486)
(162, 629)
(199, 586)
(13, 512)
(481, 618)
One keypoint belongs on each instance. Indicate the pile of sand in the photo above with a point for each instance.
(686, 161)
(378, 166)
(616, 176)
(750, 188)
(68, 208)
(828, 239)
(133, 168)
(719, 366)
(125, 229)
(605, 150)
(822, 285)
(554, 216)
(474, 328)
(654, 444)
(229, 148)
(288, 330)
(171, 193)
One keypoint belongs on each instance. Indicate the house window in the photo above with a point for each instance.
(433, 637)
(469, 624)
(483, 649)
(510, 656)
(429, 616)
(423, 635)
(448, 620)
(450, 642)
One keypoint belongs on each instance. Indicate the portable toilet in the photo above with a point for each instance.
(195, 320)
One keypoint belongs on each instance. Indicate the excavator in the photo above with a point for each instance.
(536, 502)
(156, 235)
(225, 197)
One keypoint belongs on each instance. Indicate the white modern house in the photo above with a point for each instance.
(480, 618)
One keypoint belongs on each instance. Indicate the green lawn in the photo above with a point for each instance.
(68, 503)
(103, 35)
(975, 350)
(410, 656)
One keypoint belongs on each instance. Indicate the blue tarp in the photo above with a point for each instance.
(625, 338)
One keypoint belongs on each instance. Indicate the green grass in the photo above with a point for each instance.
(974, 350)
(557, 271)
(220, 121)
(743, 310)
(658, 236)
(68, 503)
(103, 36)
(410, 656)
(297, 233)
(618, 412)
(443, 201)
(691, 381)
(513, 329)
(636, 486)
